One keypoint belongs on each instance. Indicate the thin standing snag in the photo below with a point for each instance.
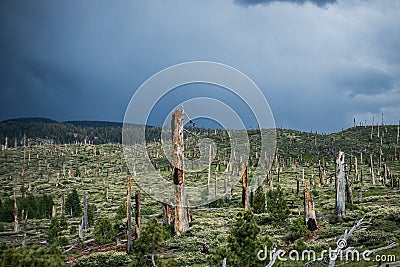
(137, 213)
(16, 224)
(245, 190)
(129, 216)
(372, 169)
(340, 185)
(85, 212)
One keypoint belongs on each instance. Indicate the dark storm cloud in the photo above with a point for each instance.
(84, 60)
(320, 3)
(365, 81)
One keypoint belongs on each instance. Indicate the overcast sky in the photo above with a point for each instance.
(318, 63)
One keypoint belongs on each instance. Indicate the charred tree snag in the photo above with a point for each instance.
(137, 213)
(181, 202)
(340, 185)
(128, 217)
(245, 190)
(309, 211)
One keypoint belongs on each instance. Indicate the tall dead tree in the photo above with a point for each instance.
(85, 213)
(137, 213)
(356, 169)
(209, 168)
(372, 169)
(349, 191)
(16, 224)
(245, 190)
(320, 173)
(385, 174)
(181, 201)
(128, 216)
(340, 185)
(309, 211)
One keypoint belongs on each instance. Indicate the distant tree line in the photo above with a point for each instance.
(30, 131)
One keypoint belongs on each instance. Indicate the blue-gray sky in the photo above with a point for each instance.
(319, 63)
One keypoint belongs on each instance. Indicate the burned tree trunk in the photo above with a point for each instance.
(245, 190)
(128, 216)
(181, 202)
(340, 185)
(309, 211)
(137, 213)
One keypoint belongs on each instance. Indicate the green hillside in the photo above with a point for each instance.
(55, 170)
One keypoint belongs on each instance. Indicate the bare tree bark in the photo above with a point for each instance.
(181, 202)
(340, 185)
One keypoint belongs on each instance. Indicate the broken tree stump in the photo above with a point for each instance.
(309, 211)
